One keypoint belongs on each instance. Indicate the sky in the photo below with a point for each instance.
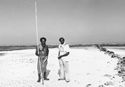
(78, 21)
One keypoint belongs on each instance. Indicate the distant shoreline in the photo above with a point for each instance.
(10, 48)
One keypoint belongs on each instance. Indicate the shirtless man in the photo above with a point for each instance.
(42, 52)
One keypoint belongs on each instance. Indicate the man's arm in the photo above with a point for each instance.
(37, 52)
(45, 59)
(47, 53)
(66, 50)
(58, 53)
(66, 54)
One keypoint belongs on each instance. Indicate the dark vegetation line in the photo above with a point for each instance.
(10, 48)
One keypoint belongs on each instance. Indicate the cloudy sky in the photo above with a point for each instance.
(79, 21)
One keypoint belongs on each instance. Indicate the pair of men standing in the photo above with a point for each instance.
(42, 51)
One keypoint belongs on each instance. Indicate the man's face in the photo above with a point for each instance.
(62, 41)
(43, 42)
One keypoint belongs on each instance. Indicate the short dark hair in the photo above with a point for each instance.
(61, 38)
(42, 38)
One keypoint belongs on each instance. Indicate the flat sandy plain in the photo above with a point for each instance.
(88, 68)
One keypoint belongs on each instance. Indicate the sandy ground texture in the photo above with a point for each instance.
(88, 68)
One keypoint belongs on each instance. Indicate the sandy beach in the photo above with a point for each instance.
(88, 68)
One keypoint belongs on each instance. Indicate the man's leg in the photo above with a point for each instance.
(45, 71)
(39, 70)
(39, 77)
(42, 68)
(61, 69)
(66, 67)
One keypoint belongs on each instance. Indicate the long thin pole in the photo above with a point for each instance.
(37, 34)
(36, 24)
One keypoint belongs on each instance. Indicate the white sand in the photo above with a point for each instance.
(87, 66)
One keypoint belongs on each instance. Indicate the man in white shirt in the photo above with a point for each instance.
(63, 60)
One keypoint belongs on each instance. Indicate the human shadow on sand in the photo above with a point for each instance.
(47, 72)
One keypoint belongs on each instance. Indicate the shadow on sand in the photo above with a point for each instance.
(47, 72)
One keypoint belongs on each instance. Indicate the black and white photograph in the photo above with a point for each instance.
(62, 43)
